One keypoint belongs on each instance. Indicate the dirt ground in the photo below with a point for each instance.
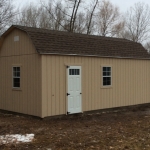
(119, 129)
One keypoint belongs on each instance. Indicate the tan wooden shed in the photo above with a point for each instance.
(47, 73)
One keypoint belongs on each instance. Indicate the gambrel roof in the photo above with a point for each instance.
(64, 43)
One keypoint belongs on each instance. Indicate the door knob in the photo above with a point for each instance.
(68, 94)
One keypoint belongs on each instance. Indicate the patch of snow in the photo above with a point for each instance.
(16, 138)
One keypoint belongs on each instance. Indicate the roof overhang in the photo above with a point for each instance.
(82, 55)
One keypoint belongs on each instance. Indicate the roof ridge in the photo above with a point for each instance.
(70, 33)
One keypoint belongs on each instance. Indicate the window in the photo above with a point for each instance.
(16, 38)
(16, 77)
(106, 76)
(74, 71)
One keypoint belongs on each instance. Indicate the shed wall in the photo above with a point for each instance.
(22, 53)
(130, 83)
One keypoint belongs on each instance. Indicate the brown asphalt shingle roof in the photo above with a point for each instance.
(64, 43)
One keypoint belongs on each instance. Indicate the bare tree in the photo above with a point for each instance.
(6, 14)
(80, 23)
(108, 19)
(57, 15)
(74, 13)
(45, 20)
(65, 15)
(137, 23)
(147, 46)
(29, 16)
(90, 17)
(48, 17)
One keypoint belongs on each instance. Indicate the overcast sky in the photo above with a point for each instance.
(122, 4)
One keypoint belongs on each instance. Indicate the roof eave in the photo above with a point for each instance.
(82, 55)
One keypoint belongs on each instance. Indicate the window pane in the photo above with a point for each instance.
(106, 81)
(108, 68)
(16, 82)
(70, 72)
(104, 68)
(14, 69)
(18, 69)
(104, 73)
(18, 74)
(74, 72)
(108, 73)
(17, 85)
(78, 72)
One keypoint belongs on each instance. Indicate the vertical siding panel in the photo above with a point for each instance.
(104, 100)
(119, 84)
(144, 74)
(123, 84)
(100, 94)
(5, 83)
(44, 86)
(145, 86)
(28, 90)
(113, 83)
(49, 87)
(114, 78)
(147, 77)
(137, 80)
(90, 83)
(24, 85)
(134, 83)
(128, 83)
(53, 85)
(97, 83)
(67, 60)
(136, 73)
(57, 88)
(110, 90)
(85, 84)
(62, 86)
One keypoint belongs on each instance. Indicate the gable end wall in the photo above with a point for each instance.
(21, 53)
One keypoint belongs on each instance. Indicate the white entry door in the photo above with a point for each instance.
(74, 93)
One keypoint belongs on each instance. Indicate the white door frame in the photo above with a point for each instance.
(79, 110)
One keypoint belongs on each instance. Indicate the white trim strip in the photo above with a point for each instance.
(118, 57)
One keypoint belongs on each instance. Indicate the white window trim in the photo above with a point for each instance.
(106, 86)
(16, 77)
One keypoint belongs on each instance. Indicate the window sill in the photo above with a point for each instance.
(106, 87)
(16, 89)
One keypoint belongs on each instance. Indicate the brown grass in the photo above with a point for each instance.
(125, 129)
